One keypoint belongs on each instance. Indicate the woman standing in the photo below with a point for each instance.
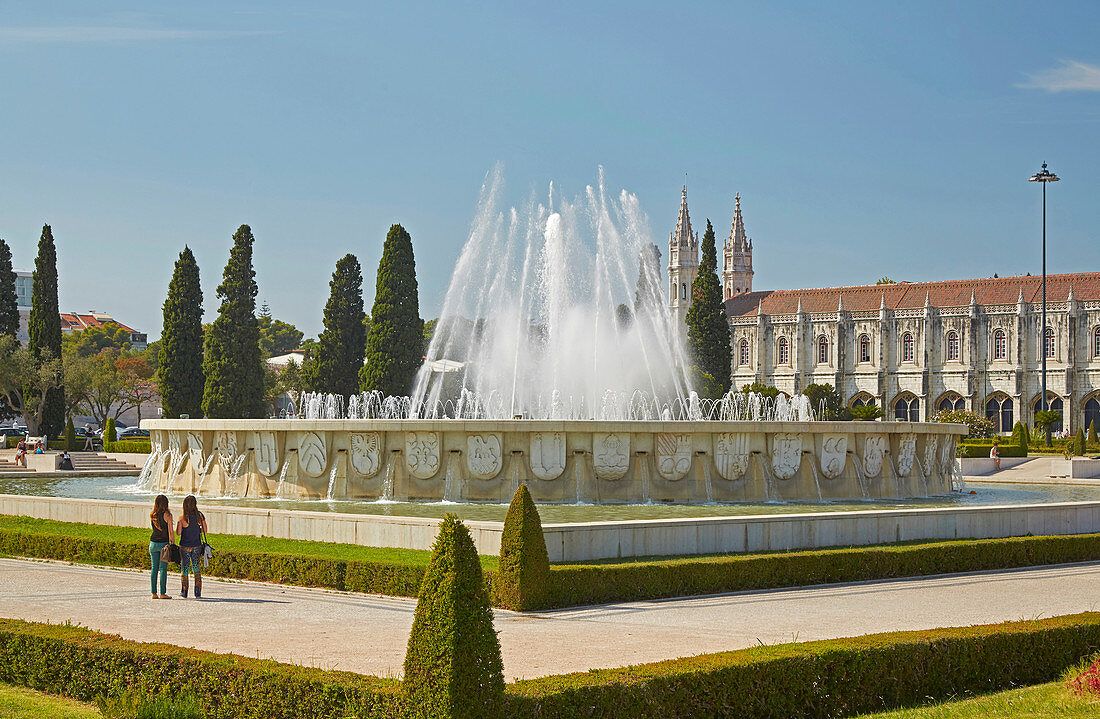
(163, 533)
(192, 526)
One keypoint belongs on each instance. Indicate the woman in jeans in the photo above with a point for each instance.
(191, 527)
(163, 533)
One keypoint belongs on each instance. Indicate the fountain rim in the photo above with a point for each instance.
(552, 425)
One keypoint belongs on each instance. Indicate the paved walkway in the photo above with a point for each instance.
(367, 634)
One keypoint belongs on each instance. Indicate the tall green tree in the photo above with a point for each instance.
(44, 328)
(9, 302)
(179, 366)
(232, 366)
(277, 337)
(708, 326)
(395, 339)
(338, 357)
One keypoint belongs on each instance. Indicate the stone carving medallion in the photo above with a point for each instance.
(907, 453)
(786, 454)
(366, 450)
(226, 444)
(547, 454)
(673, 455)
(422, 454)
(874, 450)
(266, 453)
(731, 454)
(834, 455)
(194, 450)
(312, 453)
(610, 454)
(483, 455)
(928, 458)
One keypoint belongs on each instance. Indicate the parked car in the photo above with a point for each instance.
(132, 433)
(13, 432)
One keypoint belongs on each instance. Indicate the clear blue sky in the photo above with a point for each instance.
(865, 138)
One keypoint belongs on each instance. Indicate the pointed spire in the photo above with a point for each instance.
(840, 304)
(882, 303)
(760, 308)
(1020, 299)
(927, 298)
(737, 239)
(1070, 298)
(799, 310)
(682, 236)
(973, 297)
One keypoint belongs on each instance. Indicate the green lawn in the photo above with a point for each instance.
(1044, 701)
(20, 703)
(233, 542)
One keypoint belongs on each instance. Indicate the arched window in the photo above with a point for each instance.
(1092, 413)
(998, 409)
(952, 346)
(784, 351)
(907, 408)
(1096, 342)
(951, 401)
(1000, 345)
(683, 291)
(864, 348)
(907, 347)
(1048, 342)
(823, 350)
(1054, 404)
(743, 352)
(863, 400)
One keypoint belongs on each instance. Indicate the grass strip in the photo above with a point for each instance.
(20, 703)
(1042, 701)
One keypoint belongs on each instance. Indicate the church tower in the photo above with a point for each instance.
(683, 265)
(737, 257)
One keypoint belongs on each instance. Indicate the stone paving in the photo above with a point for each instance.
(367, 633)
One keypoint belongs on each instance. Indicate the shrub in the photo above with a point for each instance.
(1084, 678)
(453, 666)
(977, 450)
(109, 434)
(126, 705)
(1079, 443)
(1020, 437)
(133, 446)
(70, 435)
(866, 413)
(980, 427)
(1092, 433)
(523, 574)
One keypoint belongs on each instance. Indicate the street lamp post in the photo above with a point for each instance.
(1043, 177)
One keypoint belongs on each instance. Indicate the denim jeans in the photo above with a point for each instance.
(158, 567)
(191, 560)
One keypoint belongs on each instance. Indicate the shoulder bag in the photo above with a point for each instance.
(170, 553)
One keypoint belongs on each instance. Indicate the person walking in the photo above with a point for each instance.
(89, 445)
(191, 528)
(164, 533)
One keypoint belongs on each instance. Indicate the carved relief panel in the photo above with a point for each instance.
(907, 454)
(366, 451)
(874, 450)
(731, 454)
(195, 450)
(548, 454)
(673, 455)
(422, 454)
(928, 457)
(483, 455)
(786, 454)
(834, 455)
(312, 453)
(610, 454)
(947, 454)
(267, 453)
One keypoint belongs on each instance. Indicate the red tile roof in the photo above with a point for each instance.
(77, 322)
(909, 295)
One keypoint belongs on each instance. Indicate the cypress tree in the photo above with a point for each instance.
(708, 326)
(70, 435)
(395, 339)
(179, 365)
(453, 666)
(9, 302)
(336, 362)
(44, 328)
(234, 373)
(1079, 443)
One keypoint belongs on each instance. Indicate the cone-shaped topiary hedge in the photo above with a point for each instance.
(70, 435)
(1020, 437)
(109, 434)
(1079, 443)
(1092, 432)
(521, 580)
(453, 666)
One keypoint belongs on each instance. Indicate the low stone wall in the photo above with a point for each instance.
(604, 540)
(1077, 468)
(983, 466)
(572, 461)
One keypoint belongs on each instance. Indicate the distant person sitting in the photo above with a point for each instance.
(38, 448)
(66, 462)
(21, 453)
(995, 455)
(89, 445)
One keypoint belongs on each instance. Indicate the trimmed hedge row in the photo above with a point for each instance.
(978, 450)
(133, 446)
(833, 678)
(574, 585)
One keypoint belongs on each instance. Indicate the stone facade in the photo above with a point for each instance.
(915, 348)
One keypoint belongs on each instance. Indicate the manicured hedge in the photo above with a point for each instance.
(596, 583)
(978, 450)
(833, 678)
(133, 446)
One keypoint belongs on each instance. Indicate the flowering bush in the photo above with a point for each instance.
(980, 427)
(1087, 681)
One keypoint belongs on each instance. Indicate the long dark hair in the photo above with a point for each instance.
(160, 508)
(191, 509)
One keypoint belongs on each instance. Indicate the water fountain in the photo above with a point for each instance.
(569, 379)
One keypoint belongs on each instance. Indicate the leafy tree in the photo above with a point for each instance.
(884, 280)
(1044, 421)
(826, 402)
(180, 358)
(277, 337)
(44, 328)
(648, 296)
(91, 340)
(453, 666)
(279, 381)
(865, 413)
(708, 325)
(429, 332)
(111, 389)
(764, 390)
(338, 358)
(9, 301)
(980, 427)
(231, 364)
(524, 570)
(396, 334)
(26, 381)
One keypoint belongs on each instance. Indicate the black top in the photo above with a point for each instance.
(160, 534)
(191, 535)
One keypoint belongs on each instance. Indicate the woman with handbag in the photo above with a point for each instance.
(164, 535)
(191, 528)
